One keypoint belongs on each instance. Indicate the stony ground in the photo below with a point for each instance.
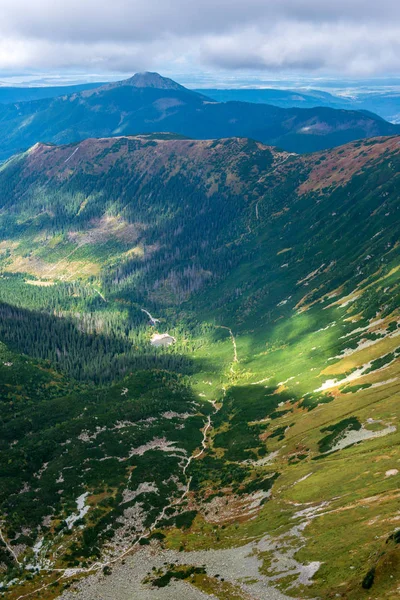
(235, 565)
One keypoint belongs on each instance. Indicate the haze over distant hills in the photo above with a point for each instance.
(374, 96)
(11, 94)
(147, 103)
(386, 104)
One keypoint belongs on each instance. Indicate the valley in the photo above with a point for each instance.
(257, 455)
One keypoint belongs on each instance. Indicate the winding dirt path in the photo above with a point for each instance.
(100, 294)
(235, 354)
(71, 155)
(153, 320)
(11, 551)
(71, 572)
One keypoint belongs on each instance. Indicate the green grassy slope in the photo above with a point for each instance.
(279, 277)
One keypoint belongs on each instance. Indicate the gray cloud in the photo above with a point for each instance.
(357, 37)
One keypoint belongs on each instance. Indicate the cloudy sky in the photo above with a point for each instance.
(271, 38)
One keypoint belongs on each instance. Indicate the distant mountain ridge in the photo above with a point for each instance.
(284, 98)
(11, 94)
(386, 104)
(148, 103)
(147, 80)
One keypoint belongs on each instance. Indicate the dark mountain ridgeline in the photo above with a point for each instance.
(385, 103)
(148, 103)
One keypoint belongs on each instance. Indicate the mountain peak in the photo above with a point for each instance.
(151, 80)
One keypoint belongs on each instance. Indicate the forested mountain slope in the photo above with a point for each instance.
(267, 432)
(148, 103)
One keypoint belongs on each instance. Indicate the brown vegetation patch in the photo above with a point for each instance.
(39, 283)
(232, 508)
(342, 163)
(107, 228)
(43, 270)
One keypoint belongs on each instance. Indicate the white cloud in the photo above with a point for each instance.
(357, 37)
(344, 48)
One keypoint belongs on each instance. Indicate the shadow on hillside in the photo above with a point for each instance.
(93, 357)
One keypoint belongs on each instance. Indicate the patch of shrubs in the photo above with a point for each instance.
(311, 401)
(394, 537)
(256, 485)
(352, 389)
(336, 432)
(279, 433)
(368, 580)
(177, 573)
(182, 521)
